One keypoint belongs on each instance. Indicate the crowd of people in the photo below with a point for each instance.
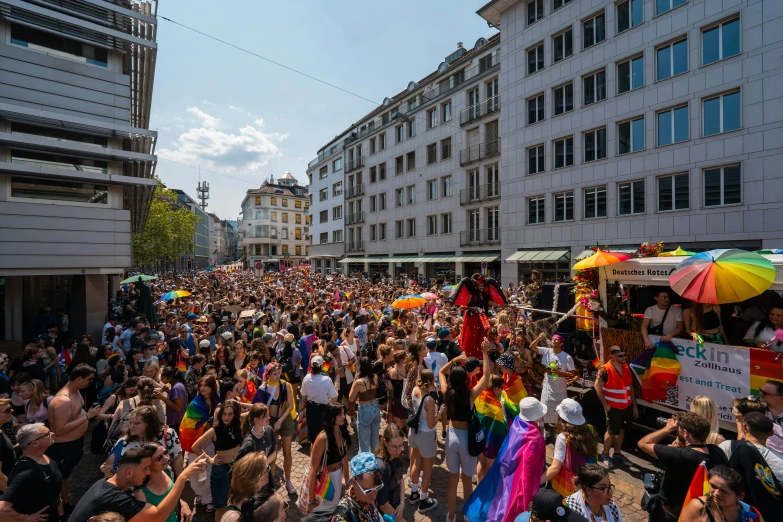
(213, 391)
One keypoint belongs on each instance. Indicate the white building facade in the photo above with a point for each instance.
(638, 120)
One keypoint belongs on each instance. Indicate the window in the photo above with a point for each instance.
(445, 223)
(382, 172)
(399, 229)
(564, 152)
(593, 31)
(323, 172)
(411, 194)
(258, 200)
(382, 141)
(373, 200)
(75, 192)
(399, 167)
(673, 126)
(432, 190)
(564, 99)
(298, 250)
(284, 235)
(595, 202)
(562, 46)
(285, 217)
(323, 194)
(337, 165)
(298, 219)
(661, 6)
(399, 197)
(673, 193)
(298, 233)
(594, 87)
(493, 224)
(720, 41)
(535, 159)
(564, 206)
(630, 198)
(42, 41)
(629, 14)
(445, 111)
(722, 186)
(41, 159)
(308, 220)
(412, 228)
(324, 238)
(411, 128)
(400, 133)
(337, 236)
(535, 210)
(323, 216)
(671, 60)
(373, 233)
(630, 136)
(273, 201)
(535, 58)
(337, 212)
(273, 216)
(373, 148)
(285, 247)
(595, 145)
(446, 186)
(432, 153)
(630, 74)
(445, 149)
(432, 225)
(557, 4)
(285, 202)
(432, 118)
(535, 109)
(411, 159)
(382, 231)
(297, 204)
(382, 201)
(493, 181)
(373, 174)
(535, 11)
(722, 113)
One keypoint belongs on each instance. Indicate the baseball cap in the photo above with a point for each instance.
(615, 349)
(548, 504)
(431, 343)
(317, 361)
(363, 463)
(192, 316)
(471, 364)
(204, 344)
(153, 337)
(227, 335)
(267, 337)
(443, 332)
(224, 318)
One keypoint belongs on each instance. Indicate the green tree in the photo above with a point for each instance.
(168, 233)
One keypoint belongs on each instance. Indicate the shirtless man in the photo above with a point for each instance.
(68, 422)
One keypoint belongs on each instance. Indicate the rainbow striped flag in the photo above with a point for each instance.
(596, 363)
(513, 392)
(194, 423)
(664, 366)
(563, 482)
(700, 485)
(492, 419)
(508, 488)
(325, 368)
(372, 313)
(764, 366)
(325, 488)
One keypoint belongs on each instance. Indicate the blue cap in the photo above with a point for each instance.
(192, 316)
(363, 463)
(431, 343)
(444, 332)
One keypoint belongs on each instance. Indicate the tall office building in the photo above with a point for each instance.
(76, 162)
(199, 259)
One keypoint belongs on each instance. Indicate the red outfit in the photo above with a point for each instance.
(475, 323)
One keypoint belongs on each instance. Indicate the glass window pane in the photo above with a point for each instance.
(570, 151)
(600, 80)
(731, 185)
(710, 45)
(601, 144)
(559, 48)
(637, 74)
(731, 112)
(588, 33)
(625, 198)
(590, 203)
(637, 12)
(711, 187)
(681, 124)
(711, 116)
(638, 134)
(664, 65)
(664, 128)
(602, 203)
(624, 77)
(677, 3)
(589, 88)
(680, 51)
(624, 136)
(569, 43)
(731, 38)
(590, 146)
(569, 97)
(665, 193)
(531, 165)
(623, 16)
(638, 197)
(681, 195)
(661, 6)
(600, 29)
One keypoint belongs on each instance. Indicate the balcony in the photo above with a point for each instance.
(478, 237)
(355, 246)
(354, 191)
(356, 217)
(353, 164)
(479, 152)
(478, 111)
(480, 193)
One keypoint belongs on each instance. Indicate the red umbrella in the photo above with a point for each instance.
(429, 296)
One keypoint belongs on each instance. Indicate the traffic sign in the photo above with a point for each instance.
(259, 266)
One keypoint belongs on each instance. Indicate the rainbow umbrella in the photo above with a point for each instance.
(720, 276)
(601, 258)
(409, 301)
(429, 296)
(449, 288)
(174, 294)
(676, 253)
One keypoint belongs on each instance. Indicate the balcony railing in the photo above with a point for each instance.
(479, 110)
(356, 217)
(482, 236)
(355, 246)
(479, 193)
(325, 154)
(354, 191)
(479, 152)
(353, 164)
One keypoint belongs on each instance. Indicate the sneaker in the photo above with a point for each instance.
(414, 497)
(197, 500)
(607, 460)
(289, 486)
(427, 504)
(621, 460)
(210, 508)
(451, 519)
(474, 480)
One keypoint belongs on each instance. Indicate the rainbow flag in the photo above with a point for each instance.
(493, 420)
(764, 366)
(508, 488)
(250, 392)
(325, 368)
(194, 423)
(664, 366)
(596, 363)
(700, 485)
(325, 488)
(563, 482)
(513, 392)
(372, 313)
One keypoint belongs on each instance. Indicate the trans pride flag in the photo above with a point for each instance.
(492, 420)
(509, 486)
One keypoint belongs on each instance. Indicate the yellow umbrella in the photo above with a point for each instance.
(601, 258)
(676, 253)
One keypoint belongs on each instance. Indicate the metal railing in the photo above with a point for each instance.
(325, 154)
(355, 246)
(353, 164)
(354, 191)
(479, 152)
(479, 236)
(479, 110)
(356, 217)
(479, 193)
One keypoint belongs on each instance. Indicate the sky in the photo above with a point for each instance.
(242, 119)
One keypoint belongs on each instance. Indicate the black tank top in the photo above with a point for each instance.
(227, 437)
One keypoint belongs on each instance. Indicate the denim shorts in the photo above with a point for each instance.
(218, 483)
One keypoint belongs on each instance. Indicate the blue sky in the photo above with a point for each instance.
(232, 113)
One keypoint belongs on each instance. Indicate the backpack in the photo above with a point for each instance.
(286, 365)
(325, 513)
(764, 490)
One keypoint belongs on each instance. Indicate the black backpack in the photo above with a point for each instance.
(764, 490)
(326, 513)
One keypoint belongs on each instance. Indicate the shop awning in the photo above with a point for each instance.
(537, 256)
(476, 258)
(379, 259)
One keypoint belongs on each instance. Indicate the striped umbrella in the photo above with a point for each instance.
(174, 294)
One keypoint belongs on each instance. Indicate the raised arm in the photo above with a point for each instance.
(487, 369)
(444, 371)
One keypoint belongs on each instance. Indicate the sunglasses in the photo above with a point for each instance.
(48, 433)
(621, 355)
(369, 490)
(762, 393)
(606, 490)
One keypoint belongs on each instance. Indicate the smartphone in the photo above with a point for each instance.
(94, 404)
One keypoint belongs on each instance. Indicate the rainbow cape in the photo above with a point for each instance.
(700, 485)
(508, 488)
(194, 423)
(493, 420)
(513, 392)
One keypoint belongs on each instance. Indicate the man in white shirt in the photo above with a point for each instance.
(663, 319)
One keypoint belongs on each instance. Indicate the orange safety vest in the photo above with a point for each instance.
(617, 389)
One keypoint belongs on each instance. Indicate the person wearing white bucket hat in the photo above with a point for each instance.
(576, 444)
(531, 409)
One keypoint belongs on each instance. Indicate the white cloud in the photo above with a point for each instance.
(207, 102)
(238, 109)
(165, 128)
(206, 119)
